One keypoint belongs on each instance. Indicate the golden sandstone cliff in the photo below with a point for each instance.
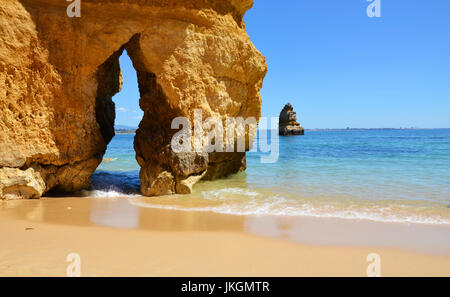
(58, 75)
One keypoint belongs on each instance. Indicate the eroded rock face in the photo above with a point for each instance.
(58, 76)
(16, 183)
(288, 125)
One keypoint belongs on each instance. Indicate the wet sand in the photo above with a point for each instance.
(116, 238)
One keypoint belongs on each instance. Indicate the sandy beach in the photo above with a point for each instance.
(231, 138)
(39, 234)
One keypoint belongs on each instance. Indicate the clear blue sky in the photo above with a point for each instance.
(340, 68)
(128, 112)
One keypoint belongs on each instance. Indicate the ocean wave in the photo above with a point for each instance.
(220, 194)
(280, 206)
(108, 194)
(112, 184)
(255, 204)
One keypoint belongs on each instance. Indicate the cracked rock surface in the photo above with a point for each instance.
(288, 125)
(58, 76)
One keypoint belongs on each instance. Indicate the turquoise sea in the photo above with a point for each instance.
(379, 175)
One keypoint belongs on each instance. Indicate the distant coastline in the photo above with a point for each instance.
(125, 131)
(133, 131)
(368, 129)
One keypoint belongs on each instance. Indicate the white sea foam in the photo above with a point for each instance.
(108, 194)
(221, 193)
(281, 206)
(243, 202)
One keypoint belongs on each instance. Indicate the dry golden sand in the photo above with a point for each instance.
(38, 235)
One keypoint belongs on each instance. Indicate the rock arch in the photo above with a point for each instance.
(58, 76)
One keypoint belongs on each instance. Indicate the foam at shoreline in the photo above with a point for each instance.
(244, 202)
(236, 200)
(377, 175)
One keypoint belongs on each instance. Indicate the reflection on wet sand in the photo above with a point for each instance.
(118, 213)
(121, 213)
(343, 232)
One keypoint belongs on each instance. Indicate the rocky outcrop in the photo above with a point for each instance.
(288, 125)
(16, 183)
(58, 76)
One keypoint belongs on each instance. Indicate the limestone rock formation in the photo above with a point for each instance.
(288, 122)
(58, 76)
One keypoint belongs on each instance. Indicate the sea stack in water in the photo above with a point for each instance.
(288, 122)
